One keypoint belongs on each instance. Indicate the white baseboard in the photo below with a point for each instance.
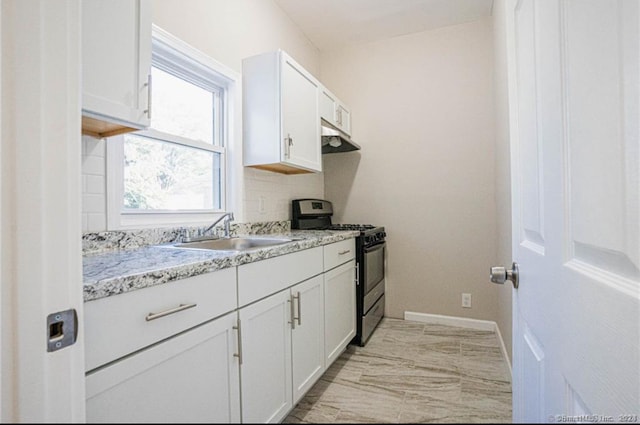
(462, 322)
(504, 350)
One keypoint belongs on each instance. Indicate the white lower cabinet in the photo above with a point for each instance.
(282, 350)
(156, 355)
(191, 377)
(266, 359)
(307, 345)
(340, 309)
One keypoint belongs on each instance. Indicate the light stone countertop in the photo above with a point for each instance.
(111, 273)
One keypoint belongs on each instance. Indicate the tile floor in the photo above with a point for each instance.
(412, 372)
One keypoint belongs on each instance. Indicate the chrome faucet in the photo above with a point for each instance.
(227, 231)
(229, 218)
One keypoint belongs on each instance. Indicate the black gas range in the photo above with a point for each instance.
(315, 214)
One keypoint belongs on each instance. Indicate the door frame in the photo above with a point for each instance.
(41, 209)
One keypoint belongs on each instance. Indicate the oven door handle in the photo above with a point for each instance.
(375, 247)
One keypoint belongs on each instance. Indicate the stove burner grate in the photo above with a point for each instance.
(351, 227)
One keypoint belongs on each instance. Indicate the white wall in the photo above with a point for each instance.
(227, 31)
(503, 178)
(423, 112)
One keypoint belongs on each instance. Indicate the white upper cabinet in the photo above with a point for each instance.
(334, 111)
(343, 118)
(116, 66)
(328, 106)
(281, 116)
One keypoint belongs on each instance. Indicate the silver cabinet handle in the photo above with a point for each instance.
(299, 298)
(501, 275)
(148, 85)
(292, 312)
(181, 307)
(288, 142)
(344, 252)
(239, 353)
(357, 274)
(286, 147)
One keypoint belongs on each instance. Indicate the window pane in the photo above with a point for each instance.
(165, 176)
(181, 108)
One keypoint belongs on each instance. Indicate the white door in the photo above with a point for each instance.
(574, 93)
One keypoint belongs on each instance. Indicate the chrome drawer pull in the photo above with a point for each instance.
(239, 353)
(292, 312)
(344, 252)
(148, 86)
(181, 307)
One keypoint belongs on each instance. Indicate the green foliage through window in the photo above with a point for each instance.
(161, 175)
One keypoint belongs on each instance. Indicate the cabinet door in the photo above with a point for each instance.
(328, 106)
(192, 377)
(340, 309)
(307, 335)
(343, 118)
(300, 117)
(116, 60)
(266, 359)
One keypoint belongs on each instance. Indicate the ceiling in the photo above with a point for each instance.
(331, 24)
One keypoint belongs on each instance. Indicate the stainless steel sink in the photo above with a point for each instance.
(235, 244)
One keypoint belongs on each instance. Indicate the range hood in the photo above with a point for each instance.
(335, 141)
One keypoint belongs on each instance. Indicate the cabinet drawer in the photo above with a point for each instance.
(120, 324)
(262, 278)
(190, 378)
(339, 253)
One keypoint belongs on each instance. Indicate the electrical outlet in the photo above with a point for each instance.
(466, 300)
(261, 205)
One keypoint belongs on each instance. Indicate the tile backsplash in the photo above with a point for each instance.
(267, 195)
(94, 189)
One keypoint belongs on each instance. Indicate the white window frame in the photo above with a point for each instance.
(170, 52)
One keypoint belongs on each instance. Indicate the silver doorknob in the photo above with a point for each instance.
(501, 275)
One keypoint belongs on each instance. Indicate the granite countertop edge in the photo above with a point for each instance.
(118, 272)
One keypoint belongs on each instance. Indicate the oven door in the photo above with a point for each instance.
(373, 265)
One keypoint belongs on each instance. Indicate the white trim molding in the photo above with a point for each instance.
(462, 322)
(184, 61)
(41, 209)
